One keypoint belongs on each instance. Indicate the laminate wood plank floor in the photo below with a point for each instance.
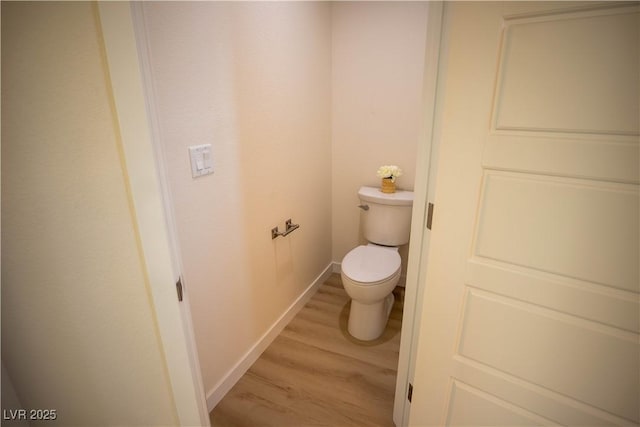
(315, 374)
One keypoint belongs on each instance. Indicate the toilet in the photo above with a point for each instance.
(371, 272)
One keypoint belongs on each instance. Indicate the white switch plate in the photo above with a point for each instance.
(201, 161)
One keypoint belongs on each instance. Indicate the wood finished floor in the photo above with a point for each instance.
(315, 374)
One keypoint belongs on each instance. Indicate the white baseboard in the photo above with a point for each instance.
(215, 395)
(336, 266)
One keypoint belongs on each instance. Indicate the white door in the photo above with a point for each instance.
(531, 306)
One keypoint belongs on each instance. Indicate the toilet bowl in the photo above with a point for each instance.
(369, 275)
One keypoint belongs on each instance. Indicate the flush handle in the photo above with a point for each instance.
(364, 207)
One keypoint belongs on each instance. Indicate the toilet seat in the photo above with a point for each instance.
(370, 265)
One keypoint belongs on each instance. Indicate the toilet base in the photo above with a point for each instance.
(368, 321)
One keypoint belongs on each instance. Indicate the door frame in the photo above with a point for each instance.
(424, 192)
(153, 221)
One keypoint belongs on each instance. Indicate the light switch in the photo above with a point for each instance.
(206, 156)
(201, 160)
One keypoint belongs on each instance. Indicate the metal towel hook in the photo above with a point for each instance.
(289, 227)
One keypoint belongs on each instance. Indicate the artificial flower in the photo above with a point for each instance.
(389, 171)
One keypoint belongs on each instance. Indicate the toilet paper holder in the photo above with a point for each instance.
(289, 227)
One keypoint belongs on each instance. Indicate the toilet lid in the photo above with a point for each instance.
(369, 264)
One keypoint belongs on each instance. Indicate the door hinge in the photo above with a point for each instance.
(429, 215)
(410, 392)
(179, 288)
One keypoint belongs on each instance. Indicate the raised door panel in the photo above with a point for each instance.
(571, 228)
(561, 72)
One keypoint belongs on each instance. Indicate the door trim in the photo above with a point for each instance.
(152, 223)
(424, 185)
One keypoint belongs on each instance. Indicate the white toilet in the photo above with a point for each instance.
(371, 272)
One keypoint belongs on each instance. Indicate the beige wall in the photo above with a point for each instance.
(377, 64)
(253, 80)
(78, 328)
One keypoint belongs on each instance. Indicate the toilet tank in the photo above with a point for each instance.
(388, 219)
